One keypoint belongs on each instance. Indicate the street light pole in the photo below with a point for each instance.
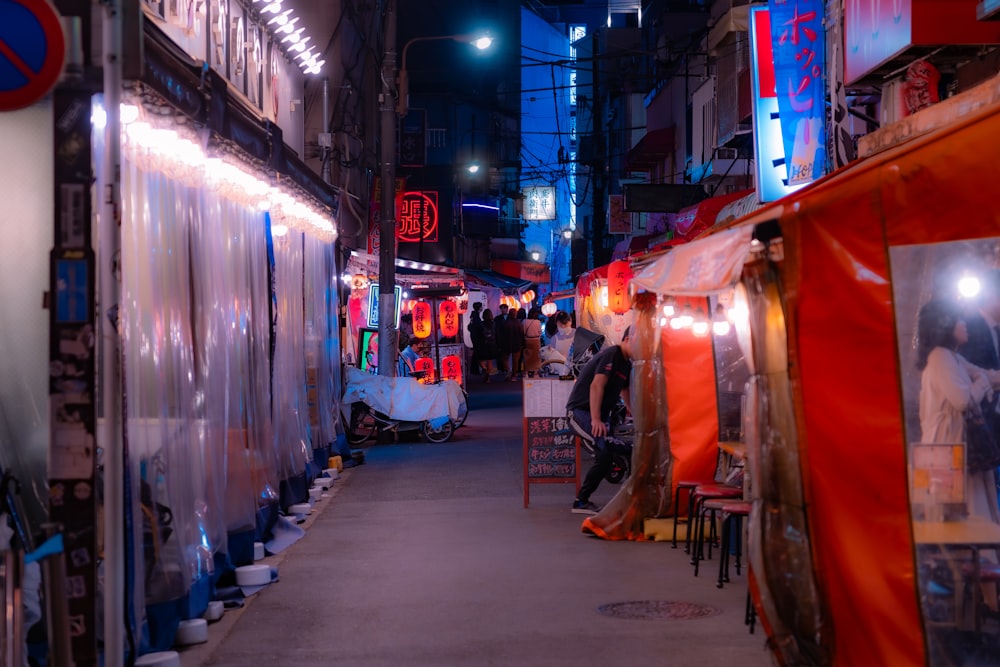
(481, 42)
(387, 212)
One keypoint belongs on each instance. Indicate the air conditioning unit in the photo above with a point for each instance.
(726, 153)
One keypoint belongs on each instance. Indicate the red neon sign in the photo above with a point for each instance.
(418, 217)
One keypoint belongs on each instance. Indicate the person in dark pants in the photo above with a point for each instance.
(593, 397)
(503, 343)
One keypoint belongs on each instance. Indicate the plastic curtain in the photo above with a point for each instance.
(322, 338)
(221, 295)
(289, 407)
(779, 543)
(642, 494)
(169, 484)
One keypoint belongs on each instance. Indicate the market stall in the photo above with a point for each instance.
(431, 301)
(860, 539)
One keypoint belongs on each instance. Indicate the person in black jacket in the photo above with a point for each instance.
(488, 356)
(983, 325)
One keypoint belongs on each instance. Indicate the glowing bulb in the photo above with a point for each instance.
(700, 328)
(721, 327)
(279, 230)
(969, 287)
(668, 309)
(483, 43)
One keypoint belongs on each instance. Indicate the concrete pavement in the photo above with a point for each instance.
(425, 556)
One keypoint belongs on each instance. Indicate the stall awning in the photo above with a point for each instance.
(693, 220)
(653, 147)
(534, 272)
(705, 266)
(493, 279)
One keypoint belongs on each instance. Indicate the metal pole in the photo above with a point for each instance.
(109, 256)
(387, 217)
(326, 141)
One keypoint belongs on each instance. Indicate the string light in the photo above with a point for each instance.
(179, 155)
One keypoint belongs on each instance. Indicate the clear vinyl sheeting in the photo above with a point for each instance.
(289, 408)
(643, 494)
(224, 335)
(779, 546)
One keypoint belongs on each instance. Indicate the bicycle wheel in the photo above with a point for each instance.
(362, 426)
(463, 412)
(438, 435)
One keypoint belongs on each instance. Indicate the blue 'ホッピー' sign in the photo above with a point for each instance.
(32, 48)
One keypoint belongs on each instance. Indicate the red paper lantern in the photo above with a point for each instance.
(448, 318)
(425, 364)
(619, 276)
(422, 319)
(451, 368)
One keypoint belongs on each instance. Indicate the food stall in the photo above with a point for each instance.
(865, 545)
(430, 303)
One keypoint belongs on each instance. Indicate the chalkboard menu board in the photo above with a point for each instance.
(551, 451)
(551, 448)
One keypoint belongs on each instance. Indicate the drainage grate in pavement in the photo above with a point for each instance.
(646, 610)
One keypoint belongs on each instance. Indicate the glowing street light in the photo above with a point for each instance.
(481, 42)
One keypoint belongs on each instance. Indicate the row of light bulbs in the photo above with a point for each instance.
(697, 321)
(180, 155)
(282, 23)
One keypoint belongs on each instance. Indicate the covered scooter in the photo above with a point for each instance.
(400, 404)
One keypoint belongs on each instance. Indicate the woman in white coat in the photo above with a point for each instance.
(948, 386)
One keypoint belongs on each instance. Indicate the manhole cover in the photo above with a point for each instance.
(644, 610)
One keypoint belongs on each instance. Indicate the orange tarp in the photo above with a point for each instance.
(691, 403)
(844, 363)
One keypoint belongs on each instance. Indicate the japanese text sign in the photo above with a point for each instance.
(798, 42)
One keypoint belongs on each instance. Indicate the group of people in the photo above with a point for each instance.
(511, 342)
(958, 355)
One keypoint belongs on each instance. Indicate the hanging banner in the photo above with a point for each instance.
(619, 220)
(769, 165)
(798, 41)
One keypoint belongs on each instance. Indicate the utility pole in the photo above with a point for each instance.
(600, 171)
(387, 213)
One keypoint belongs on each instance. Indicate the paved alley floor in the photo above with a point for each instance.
(425, 556)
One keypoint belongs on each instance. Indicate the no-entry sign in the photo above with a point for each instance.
(32, 48)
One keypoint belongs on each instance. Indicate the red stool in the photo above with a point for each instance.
(702, 493)
(689, 486)
(709, 506)
(731, 511)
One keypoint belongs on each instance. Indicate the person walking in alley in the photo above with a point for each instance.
(514, 331)
(589, 406)
(532, 341)
(488, 356)
(503, 345)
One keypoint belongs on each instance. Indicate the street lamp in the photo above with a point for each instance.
(481, 42)
(389, 140)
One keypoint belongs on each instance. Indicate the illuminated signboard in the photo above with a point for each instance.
(418, 217)
(540, 202)
(771, 172)
(373, 304)
(798, 42)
